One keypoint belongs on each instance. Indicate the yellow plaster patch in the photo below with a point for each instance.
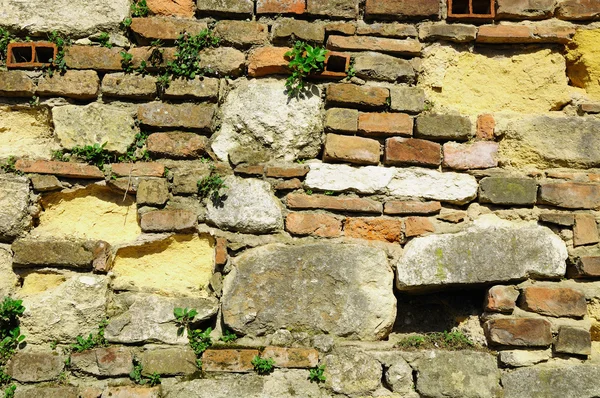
(583, 61)
(179, 265)
(25, 133)
(95, 213)
(473, 83)
(36, 282)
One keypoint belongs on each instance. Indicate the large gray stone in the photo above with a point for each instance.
(75, 307)
(352, 372)
(246, 205)
(549, 141)
(371, 65)
(344, 290)
(458, 374)
(146, 318)
(491, 250)
(94, 124)
(73, 18)
(258, 115)
(341, 177)
(8, 279)
(570, 381)
(14, 203)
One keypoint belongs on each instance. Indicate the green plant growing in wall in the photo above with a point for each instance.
(104, 40)
(92, 341)
(5, 39)
(139, 8)
(316, 375)
(138, 378)
(454, 340)
(135, 151)
(10, 338)
(126, 61)
(58, 64)
(228, 336)
(93, 154)
(9, 166)
(304, 60)
(263, 366)
(199, 339)
(209, 186)
(183, 317)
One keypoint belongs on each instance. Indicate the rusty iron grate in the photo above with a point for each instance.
(466, 9)
(30, 55)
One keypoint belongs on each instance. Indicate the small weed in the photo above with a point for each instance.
(308, 191)
(135, 151)
(316, 374)
(104, 40)
(92, 340)
(139, 9)
(58, 64)
(53, 345)
(126, 61)
(199, 340)
(126, 23)
(428, 105)
(183, 317)
(304, 60)
(199, 363)
(329, 193)
(300, 161)
(9, 166)
(138, 378)
(263, 366)
(154, 379)
(228, 336)
(209, 186)
(351, 69)
(10, 338)
(60, 156)
(445, 340)
(93, 154)
(5, 39)
(9, 392)
(63, 378)
(34, 101)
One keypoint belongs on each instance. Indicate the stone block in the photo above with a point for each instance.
(16, 83)
(104, 361)
(226, 7)
(223, 61)
(333, 8)
(47, 392)
(168, 221)
(478, 155)
(169, 361)
(501, 299)
(587, 267)
(570, 195)
(313, 224)
(376, 66)
(179, 8)
(140, 169)
(402, 9)
(152, 192)
(286, 171)
(485, 127)
(443, 127)
(351, 372)
(340, 177)
(242, 34)
(519, 332)
(358, 150)
(101, 59)
(409, 47)
(345, 204)
(528, 9)
(407, 99)
(554, 301)
(264, 61)
(572, 340)
(508, 191)
(15, 219)
(129, 85)
(200, 88)
(416, 226)
(411, 207)
(360, 97)
(385, 124)
(384, 229)
(131, 392)
(391, 29)
(457, 33)
(285, 357)
(193, 116)
(585, 230)
(62, 169)
(411, 151)
(578, 10)
(565, 219)
(53, 252)
(341, 120)
(287, 29)
(221, 254)
(280, 6)
(177, 145)
(35, 366)
(235, 361)
(164, 28)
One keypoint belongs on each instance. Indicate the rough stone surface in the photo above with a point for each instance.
(361, 97)
(411, 207)
(333, 8)
(488, 251)
(242, 34)
(152, 192)
(326, 202)
(573, 340)
(226, 7)
(248, 206)
(35, 366)
(292, 357)
(432, 184)
(82, 85)
(411, 151)
(405, 47)
(519, 332)
(258, 114)
(83, 18)
(383, 229)
(583, 61)
(385, 124)
(145, 318)
(407, 99)
(94, 124)
(130, 392)
(508, 191)
(369, 179)
(465, 374)
(401, 9)
(329, 271)
(196, 89)
(519, 358)
(585, 230)
(26, 132)
(458, 33)
(129, 85)
(104, 361)
(47, 392)
(193, 116)
(287, 28)
(568, 381)
(554, 301)
(169, 361)
(16, 83)
(181, 8)
(443, 127)
(224, 61)
(53, 252)
(570, 195)
(8, 279)
(322, 225)
(478, 155)
(234, 361)
(529, 9)
(352, 372)
(357, 150)
(501, 299)
(152, 28)
(177, 145)
(61, 314)
(371, 65)
(264, 61)
(14, 202)
(578, 10)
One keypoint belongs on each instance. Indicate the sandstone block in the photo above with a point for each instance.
(48, 392)
(372, 65)
(221, 251)
(529, 9)
(351, 372)
(415, 226)
(169, 361)
(131, 392)
(341, 120)
(478, 155)
(32, 366)
(519, 358)
(152, 192)
(570, 195)
(333, 8)
(411, 207)
(129, 85)
(385, 124)
(350, 149)
(250, 170)
(366, 314)
(587, 267)
(578, 10)
(226, 7)
(177, 145)
(431, 184)
(458, 33)
(105, 361)
(168, 220)
(53, 252)
(443, 127)
(353, 96)
(265, 61)
(360, 205)
(16, 83)
(565, 219)
(62, 169)
(411, 151)
(402, 9)
(285, 357)
(378, 44)
(99, 58)
(572, 340)
(280, 6)
(384, 229)
(286, 171)
(179, 8)
(205, 88)
(585, 230)
(407, 99)
(520, 332)
(236, 361)
(554, 301)
(165, 28)
(242, 34)
(186, 175)
(223, 61)
(485, 127)
(14, 206)
(140, 169)
(313, 224)
(287, 28)
(193, 116)
(391, 29)
(501, 299)
(508, 191)
(330, 177)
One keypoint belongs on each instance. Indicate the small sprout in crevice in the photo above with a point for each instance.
(9, 166)
(308, 191)
(304, 60)
(454, 340)
(136, 375)
(329, 193)
(263, 366)
(126, 23)
(139, 8)
(183, 317)
(428, 105)
(136, 150)
(228, 336)
(5, 39)
(93, 154)
(316, 375)
(92, 341)
(10, 339)
(209, 186)
(34, 102)
(58, 64)
(104, 40)
(199, 340)
(126, 61)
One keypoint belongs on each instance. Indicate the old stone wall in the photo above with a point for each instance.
(419, 223)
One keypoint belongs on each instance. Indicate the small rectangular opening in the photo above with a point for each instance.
(460, 7)
(482, 7)
(22, 55)
(336, 63)
(44, 54)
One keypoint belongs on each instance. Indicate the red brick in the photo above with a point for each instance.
(179, 8)
(288, 185)
(99, 58)
(401, 9)
(265, 61)
(16, 83)
(164, 28)
(505, 34)
(553, 301)
(252, 170)
(132, 392)
(520, 332)
(485, 127)
(143, 169)
(158, 114)
(383, 229)
(416, 226)
(585, 231)
(221, 251)
(313, 224)
(353, 96)
(501, 299)
(579, 10)
(570, 195)
(385, 124)
(478, 155)
(63, 169)
(379, 44)
(411, 207)
(292, 357)
(359, 205)
(342, 148)
(287, 171)
(401, 151)
(236, 361)
(168, 220)
(280, 6)
(177, 145)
